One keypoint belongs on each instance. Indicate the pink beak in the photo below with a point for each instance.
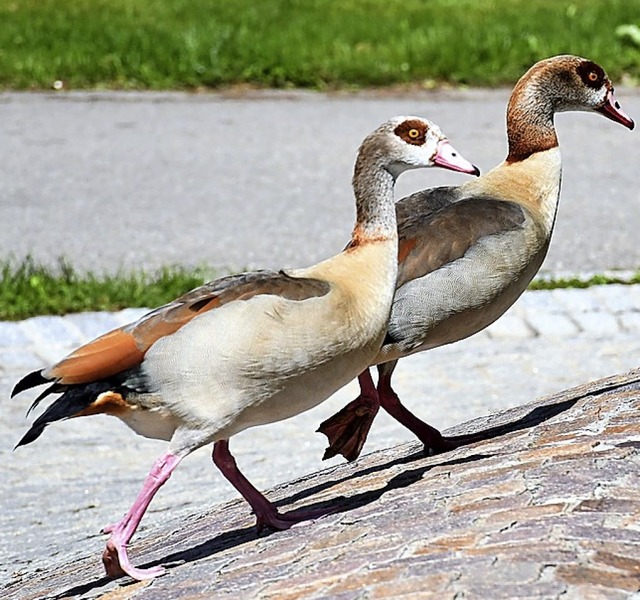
(448, 157)
(611, 109)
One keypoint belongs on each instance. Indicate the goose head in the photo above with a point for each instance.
(408, 142)
(569, 83)
(400, 144)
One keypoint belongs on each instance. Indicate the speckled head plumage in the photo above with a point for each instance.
(556, 84)
(399, 144)
(408, 142)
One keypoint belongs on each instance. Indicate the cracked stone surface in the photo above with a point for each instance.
(546, 506)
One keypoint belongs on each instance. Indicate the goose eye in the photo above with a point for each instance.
(412, 132)
(591, 74)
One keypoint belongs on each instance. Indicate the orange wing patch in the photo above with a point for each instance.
(405, 247)
(124, 348)
(105, 356)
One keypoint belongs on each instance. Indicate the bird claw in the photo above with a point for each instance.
(282, 521)
(107, 529)
(436, 443)
(116, 563)
(438, 446)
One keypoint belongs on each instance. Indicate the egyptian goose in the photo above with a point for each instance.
(467, 253)
(248, 349)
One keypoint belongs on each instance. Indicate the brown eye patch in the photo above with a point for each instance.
(592, 75)
(412, 131)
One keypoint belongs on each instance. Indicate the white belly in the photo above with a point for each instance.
(228, 370)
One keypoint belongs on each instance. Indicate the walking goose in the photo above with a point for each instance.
(467, 253)
(248, 349)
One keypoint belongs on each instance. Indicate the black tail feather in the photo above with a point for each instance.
(72, 401)
(33, 379)
(54, 388)
(31, 435)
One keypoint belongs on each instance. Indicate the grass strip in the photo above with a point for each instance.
(28, 289)
(582, 282)
(186, 44)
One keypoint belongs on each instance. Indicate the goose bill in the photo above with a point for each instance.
(449, 158)
(612, 110)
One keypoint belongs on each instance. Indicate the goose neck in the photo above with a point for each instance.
(530, 113)
(373, 186)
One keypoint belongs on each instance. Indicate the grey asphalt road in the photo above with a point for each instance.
(262, 179)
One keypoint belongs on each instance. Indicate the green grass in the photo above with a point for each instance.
(185, 44)
(28, 289)
(581, 283)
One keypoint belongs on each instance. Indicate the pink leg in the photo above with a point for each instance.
(266, 513)
(115, 559)
(348, 429)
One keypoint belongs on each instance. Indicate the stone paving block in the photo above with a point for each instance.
(597, 323)
(51, 331)
(597, 592)
(510, 326)
(17, 360)
(93, 324)
(575, 300)
(545, 312)
(129, 315)
(52, 354)
(630, 321)
(618, 298)
(12, 335)
(552, 324)
(538, 301)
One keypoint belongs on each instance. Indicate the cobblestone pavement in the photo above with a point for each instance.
(545, 506)
(82, 474)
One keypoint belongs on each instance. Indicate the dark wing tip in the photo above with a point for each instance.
(31, 435)
(33, 379)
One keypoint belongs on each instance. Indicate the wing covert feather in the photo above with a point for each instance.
(429, 239)
(125, 348)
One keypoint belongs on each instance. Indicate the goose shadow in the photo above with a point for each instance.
(534, 417)
(231, 539)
